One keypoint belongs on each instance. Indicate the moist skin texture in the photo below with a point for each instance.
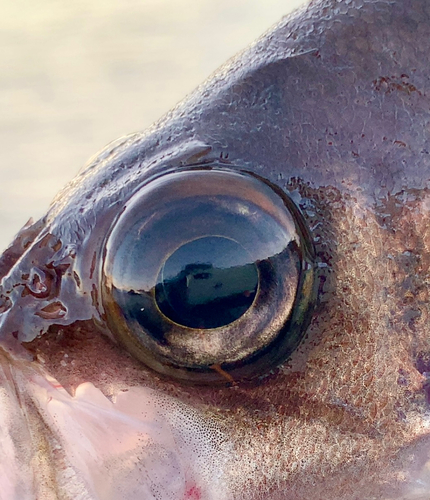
(332, 106)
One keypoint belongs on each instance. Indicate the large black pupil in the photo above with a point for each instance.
(207, 283)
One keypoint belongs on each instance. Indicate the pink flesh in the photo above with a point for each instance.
(139, 445)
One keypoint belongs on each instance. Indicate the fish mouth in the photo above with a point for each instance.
(137, 444)
(140, 443)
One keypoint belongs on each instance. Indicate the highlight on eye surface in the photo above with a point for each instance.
(208, 267)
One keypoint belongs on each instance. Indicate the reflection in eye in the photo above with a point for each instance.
(207, 283)
(209, 268)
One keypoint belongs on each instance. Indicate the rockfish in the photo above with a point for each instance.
(234, 304)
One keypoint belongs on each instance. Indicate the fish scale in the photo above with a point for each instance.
(329, 111)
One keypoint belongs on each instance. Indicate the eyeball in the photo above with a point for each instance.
(209, 273)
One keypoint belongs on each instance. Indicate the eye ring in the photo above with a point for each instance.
(207, 271)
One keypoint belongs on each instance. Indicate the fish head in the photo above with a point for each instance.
(234, 304)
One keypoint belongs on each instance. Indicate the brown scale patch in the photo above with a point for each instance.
(336, 410)
(347, 401)
(80, 353)
(389, 84)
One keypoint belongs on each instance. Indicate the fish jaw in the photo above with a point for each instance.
(140, 443)
(137, 444)
(267, 439)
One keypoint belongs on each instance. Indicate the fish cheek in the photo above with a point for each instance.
(366, 328)
(350, 400)
(349, 395)
(80, 353)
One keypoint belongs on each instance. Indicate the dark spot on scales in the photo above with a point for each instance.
(422, 364)
(389, 84)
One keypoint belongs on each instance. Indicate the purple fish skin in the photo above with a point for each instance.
(332, 105)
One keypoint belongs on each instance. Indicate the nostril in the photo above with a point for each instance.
(39, 282)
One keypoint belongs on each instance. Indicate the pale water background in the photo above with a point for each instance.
(75, 75)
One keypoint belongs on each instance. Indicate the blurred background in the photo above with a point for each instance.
(76, 75)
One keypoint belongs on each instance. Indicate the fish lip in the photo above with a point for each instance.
(156, 435)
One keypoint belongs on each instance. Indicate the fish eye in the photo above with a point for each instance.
(208, 274)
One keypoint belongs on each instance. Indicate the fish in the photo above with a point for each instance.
(234, 303)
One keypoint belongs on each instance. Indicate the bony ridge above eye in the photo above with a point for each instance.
(207, 273)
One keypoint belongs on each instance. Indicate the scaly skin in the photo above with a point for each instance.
(332, 106)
